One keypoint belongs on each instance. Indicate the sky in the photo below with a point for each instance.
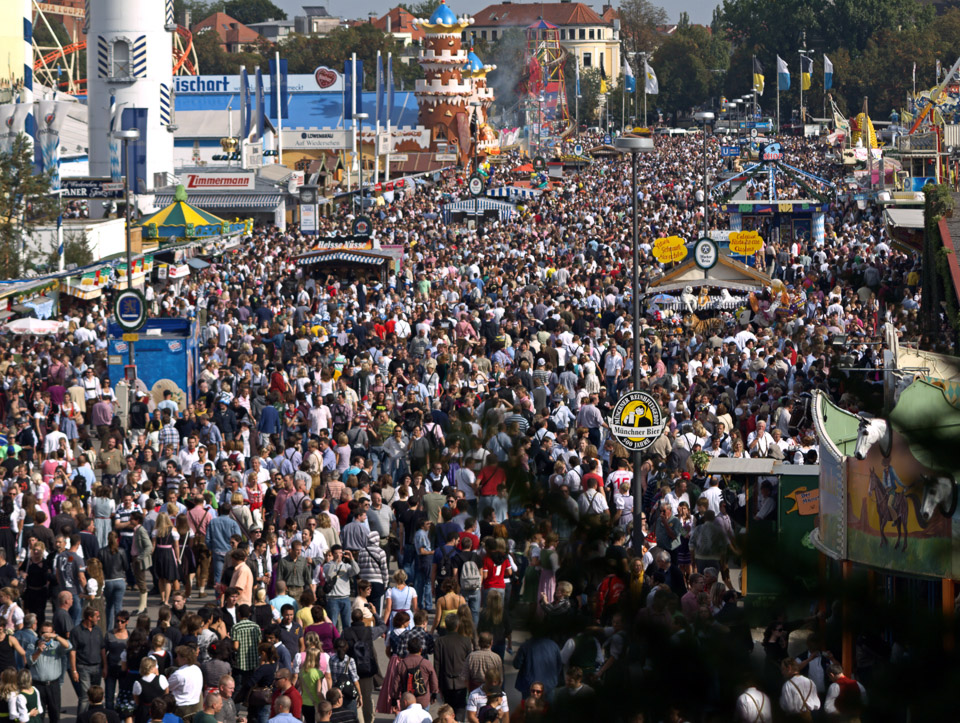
(700, 11)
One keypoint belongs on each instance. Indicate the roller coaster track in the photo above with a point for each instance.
(48, 68)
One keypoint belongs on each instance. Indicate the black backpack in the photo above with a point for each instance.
(366, 667)
(445, 568)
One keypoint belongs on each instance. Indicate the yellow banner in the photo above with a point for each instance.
(668, 242)
(745, 243)
(670, 254)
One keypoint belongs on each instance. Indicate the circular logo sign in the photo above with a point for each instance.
(636, 421)
(362, 226)
(754, 133)
(539, 163)
(705, 253)
(578, 149)
(475, 184)
(130, 310)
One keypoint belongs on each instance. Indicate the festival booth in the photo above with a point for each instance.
(486, 208)
(888, 494)
(781, 216)
(724, 286)
(180, 220)
(348, 257)
(167, 357)
(785, 535)
(514, 193)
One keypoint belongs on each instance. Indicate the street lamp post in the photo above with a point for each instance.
(359, 118)
(131, 135)
(634, 145)
(475, 104)
(705, 118)
(540, 100)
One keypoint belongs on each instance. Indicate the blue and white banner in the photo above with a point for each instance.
(13, 121)
(246, 119)
(116, 167)
(261, 119)
(50, 117)
(271, 82)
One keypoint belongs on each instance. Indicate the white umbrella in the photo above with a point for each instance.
(34, 326)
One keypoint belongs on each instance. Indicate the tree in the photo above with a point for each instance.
(253, 11)
(423, 9)
(198, 10)
(683, 78)
(214, 60)
(76, 251)
(25, 201)
(639, 25)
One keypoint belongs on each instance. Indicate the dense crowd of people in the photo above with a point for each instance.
(423, 470)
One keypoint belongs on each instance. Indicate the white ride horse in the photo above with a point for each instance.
(939, 492)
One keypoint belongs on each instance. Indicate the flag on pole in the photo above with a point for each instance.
(629, 82)
(261, 111)
(914, 71)
(757, 77)
(380, 89)
(827, 73)
(246, 117)
(116, 167)
(389, 100)
(783, 74)
(603, 77)
(939, 69)
(806, 71)
(651, 84)
(577, 64)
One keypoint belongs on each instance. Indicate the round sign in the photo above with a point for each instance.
(754, 133)
(475, 184)
(539, 163)
(362, 226)
(578, 149)
(130, 310)
(636, 421)
(705, 253)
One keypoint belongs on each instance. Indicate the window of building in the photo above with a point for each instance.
(587, 60)
(593, 34)
(121, 59)
(583, 34)
(563, 33)
(483, 34)
(493, 34)
(599, 33)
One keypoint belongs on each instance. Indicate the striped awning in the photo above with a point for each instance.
(238, 201)
(513, 192)
(342, 257)
(482, 205)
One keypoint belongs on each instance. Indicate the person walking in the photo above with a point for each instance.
(47, 663)
(88, 656)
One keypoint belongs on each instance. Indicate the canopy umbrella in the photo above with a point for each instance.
(525, 168)
(174, 220)
(34, 326)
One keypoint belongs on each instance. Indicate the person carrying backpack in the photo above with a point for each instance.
(414, 674)
(471, 579)
(360, 639)
(446, 562)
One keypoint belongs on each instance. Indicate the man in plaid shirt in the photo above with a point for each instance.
(168, 433)
(418, 631)
(246, 638)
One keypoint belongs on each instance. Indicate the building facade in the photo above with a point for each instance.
(593, 39)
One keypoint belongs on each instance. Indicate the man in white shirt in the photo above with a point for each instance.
(759, 441)
(412, 711)
(753, 706)
(713, 495)
(842, 700)
(593, 501)
(799, 694)
(51, 443)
